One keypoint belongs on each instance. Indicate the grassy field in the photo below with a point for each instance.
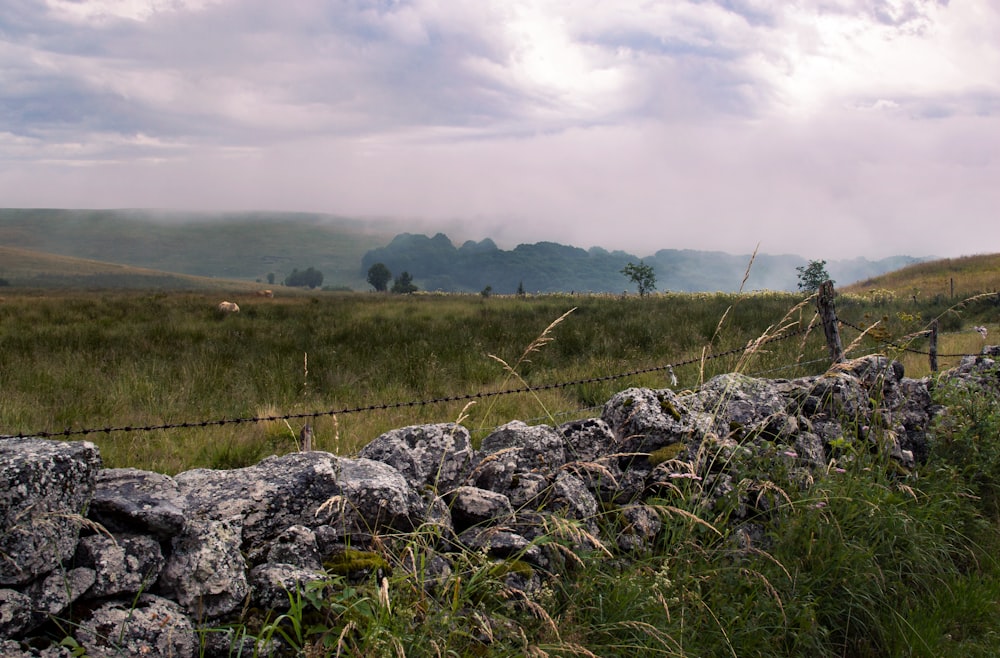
(863, 563)
(85, 360)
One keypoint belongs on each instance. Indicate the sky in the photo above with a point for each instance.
(828, 129)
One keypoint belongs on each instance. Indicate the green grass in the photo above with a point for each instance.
(867, 561)
(83, 360)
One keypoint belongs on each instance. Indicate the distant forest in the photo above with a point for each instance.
(435, 263)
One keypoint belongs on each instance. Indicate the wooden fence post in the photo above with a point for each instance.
(932, 348)
(828, 315)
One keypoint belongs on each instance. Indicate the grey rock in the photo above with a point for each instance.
(644, 420)
(304, 488)
(588, 440)
(757, 406)
(514, 450)
(439, 456)
(44, 490)
(569, 497)
(296, 546)
(15, 613)
(640, 525)
(51, 596)
(206, 572)
(275, 585)
(144, 626)
(125, 564)
(130, 500)
(534, 446)
(471, 506)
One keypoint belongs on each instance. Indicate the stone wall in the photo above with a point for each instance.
(138, 563)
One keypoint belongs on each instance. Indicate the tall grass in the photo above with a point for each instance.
(94, 360)
(864, 560)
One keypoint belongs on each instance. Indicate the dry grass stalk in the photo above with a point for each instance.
(538, 343)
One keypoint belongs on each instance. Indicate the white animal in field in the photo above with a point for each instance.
(265, 293)
(228, 307)
(982, 331)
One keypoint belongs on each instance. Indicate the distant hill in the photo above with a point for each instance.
(33, 269)
(435, 263)
(245, 246)
(253, 246)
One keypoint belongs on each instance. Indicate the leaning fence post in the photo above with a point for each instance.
(932, 348)
(828, 315)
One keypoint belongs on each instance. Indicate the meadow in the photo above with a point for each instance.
(867, 564)
(90, 360)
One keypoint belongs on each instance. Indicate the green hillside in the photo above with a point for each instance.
(24, 268)
(246, 246)
(949, 277)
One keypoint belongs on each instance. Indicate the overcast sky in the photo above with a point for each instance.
(824, 128)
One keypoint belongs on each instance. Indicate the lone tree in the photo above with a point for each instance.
(812, 276)
(403, 284)
(379, 277)
(641, 275)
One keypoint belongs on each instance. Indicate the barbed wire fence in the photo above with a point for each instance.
(832, 337)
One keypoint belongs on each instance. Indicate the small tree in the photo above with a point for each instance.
(270, 277)
(403, 284)
(520, 289)
(641, 275)
(812, 276)
(379, 277)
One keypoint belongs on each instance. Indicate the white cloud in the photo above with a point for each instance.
(713, 124)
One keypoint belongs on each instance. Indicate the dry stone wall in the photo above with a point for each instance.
(138, 563)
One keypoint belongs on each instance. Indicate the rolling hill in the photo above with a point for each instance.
(950, 277)
(25, 268)
(266, 247)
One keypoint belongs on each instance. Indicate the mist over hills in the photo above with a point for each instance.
(437, 264)
(256, 246)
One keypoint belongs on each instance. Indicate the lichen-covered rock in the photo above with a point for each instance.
(644, 420)
(129, 500)
(296, 546)
(144, 626)
(123, 564)
(304, 488)
(568, 496)
(471, 506)
(439, 456)
(51, 596)
(15, 613)
(639, 526)
(514, 450)
(276, 585)
(45, 487)
(587, 440)
(756, 407)
(206, 572)
(534, 446)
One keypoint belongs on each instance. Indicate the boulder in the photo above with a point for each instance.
(45, 487)
(122, 565)
(146, 625)
(130, 500)
(438, 456)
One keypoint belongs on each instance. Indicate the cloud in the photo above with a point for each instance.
(630, 125)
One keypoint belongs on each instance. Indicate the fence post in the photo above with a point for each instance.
(828, 315)
(932, 348)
